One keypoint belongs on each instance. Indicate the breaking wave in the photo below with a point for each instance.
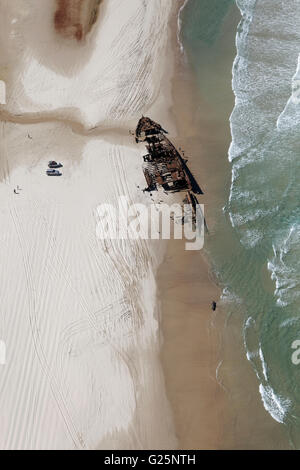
(263, 207)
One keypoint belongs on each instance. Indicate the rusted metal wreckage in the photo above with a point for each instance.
(163, 164)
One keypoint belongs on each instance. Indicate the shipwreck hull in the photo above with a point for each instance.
(165, 166)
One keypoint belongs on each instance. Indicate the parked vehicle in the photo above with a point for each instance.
(53, 164)
(53, 173)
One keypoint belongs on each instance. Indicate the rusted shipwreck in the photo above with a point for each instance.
(163, 164)
(165, 167)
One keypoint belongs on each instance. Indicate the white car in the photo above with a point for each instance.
(53, 164)
(53, 173)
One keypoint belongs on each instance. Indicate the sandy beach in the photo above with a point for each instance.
(187, 285)
(112, 344)
(79, 315)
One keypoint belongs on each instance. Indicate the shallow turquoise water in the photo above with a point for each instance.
(261, 270)
(203, 21)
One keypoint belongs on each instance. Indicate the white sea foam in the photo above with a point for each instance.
(277, 406)
(263, 363)
(250, 216)
(290, 116)
(251, 355)
(180, 26)
(250, 322)
(229, 297)
(290, 322)
(240, 64)
(266, 82)
(285, 266)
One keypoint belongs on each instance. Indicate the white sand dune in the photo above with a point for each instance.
(78, 315)
(110, 78)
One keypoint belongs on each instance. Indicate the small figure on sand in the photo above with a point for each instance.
(18, 189)
(214, 306)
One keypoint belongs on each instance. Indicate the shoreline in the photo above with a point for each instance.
(190, 346)
(85, 360)
(212, 389)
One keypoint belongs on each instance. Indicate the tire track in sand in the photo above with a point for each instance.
(58, 396)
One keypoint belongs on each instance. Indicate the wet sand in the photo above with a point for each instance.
(186, 291)
(190, 349)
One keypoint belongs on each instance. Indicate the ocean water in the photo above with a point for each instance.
(261, 269)
(203, 20)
